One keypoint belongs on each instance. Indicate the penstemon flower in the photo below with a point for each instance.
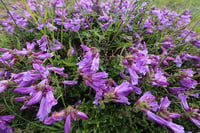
(147, 102)
(66, 114)
(191, 113)
(175, 127)
(164, 103)
(4, 127)
(118, 93)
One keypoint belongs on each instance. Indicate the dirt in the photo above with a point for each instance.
(3, 12)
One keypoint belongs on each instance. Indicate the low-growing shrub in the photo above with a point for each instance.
(113, 60)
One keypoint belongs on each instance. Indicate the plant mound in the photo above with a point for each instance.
(123, 65)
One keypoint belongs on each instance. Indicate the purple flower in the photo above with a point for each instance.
(188, 82)
(183, 98)
(164, 103)
(191, 113)
(66, 115)
(4, 127)
(91, 59)
(176, 90)
(178, 61)
(58, 71)
(168, 42)
(187, 72)
(45, 43)
(71, 51)
(46, 104)
(196, 42)
(35, 98)
(24, 90)
(176, 128)
(25, 78)
(73, 82)
(147, 101)
(3, 85)
(159, 78)
(67, 124)
(95, 62)
(118, 94)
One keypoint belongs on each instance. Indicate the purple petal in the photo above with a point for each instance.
(7, 117)
(82, 115)
(36, 98)
(67, 124)
(164, 103)
(69, 82)
(183, 98)
(49, 121)
(85, 48)
(24, 90)
(174, 115)
(176, 128)
(195, 121)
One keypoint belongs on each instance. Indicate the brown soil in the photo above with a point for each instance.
(3, 12)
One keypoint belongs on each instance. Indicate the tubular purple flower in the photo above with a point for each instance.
(58, 71)
(73, 82)
(46, 104)
(6, 56)
(122, 100)
(3, 85)
(159, 79)
(49, 121)
(134, 76)
(99, 75)
(81, 115)
(148, 100)
(178, 61)
(30, 46)
(44, 56)
(67, 124)
(7, 117)
(58, 116)
(196, 42)
(183, 98)
(24, 90)
(188, 83)
(123, 89)
(176, 128)
(36, 98)
(195, 121)
(4, 127)
(196, 95)
(42, 70)
(85, 48)
(20, 99)
(174, 115)
(164, 103)
(176, 89)
(95, 62)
